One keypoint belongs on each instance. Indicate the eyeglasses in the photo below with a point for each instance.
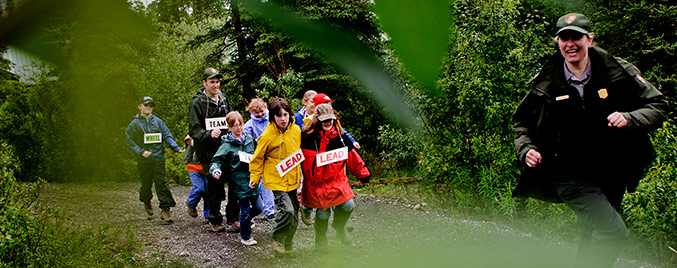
(149, 105)
(238, 126)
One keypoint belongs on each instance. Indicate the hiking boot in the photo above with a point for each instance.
(166, 216)
(233, 227)
(306, 216)
(278, 248)
(218, 228)
(191, 211)
(149, 208)
(248, 242)
(342, 234)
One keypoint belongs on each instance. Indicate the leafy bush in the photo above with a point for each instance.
(494, 52)
(32, 236)
(652, 209)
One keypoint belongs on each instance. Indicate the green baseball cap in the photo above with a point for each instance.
(574, 22)
(211, 73)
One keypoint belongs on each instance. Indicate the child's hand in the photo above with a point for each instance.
(252, 184)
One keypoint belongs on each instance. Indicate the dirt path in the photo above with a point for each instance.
(388, 233)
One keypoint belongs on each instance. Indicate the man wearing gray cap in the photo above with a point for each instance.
(146, 136)
(208, 107)
(582, 133)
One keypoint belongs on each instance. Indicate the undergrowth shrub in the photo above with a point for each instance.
(652, 209)
(34, 236)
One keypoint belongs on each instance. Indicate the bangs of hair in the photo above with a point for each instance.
(233, 117)
(309, 95)
(276, 107)
(256, 104)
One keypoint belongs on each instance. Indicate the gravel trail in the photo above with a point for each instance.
(387, 233)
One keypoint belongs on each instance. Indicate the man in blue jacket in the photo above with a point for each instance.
(147, 136)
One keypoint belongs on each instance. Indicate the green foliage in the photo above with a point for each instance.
(495, 51)
(642, 32)
(652, 209)
(400, 148)
(33, 236)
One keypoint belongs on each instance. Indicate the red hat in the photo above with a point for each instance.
(321, 98)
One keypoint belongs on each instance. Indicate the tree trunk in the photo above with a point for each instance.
(243, 74)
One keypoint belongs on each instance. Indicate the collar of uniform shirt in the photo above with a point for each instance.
(574, 81)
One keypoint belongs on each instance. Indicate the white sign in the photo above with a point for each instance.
(149, 138)
(215, 123)
(290, 162)
(245, 157)
(332, 156)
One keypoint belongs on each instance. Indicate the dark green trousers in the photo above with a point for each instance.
(154, 172)
(603, 232)
(286, 217)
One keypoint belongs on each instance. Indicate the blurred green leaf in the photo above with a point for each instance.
(346, 52)
(419, 31)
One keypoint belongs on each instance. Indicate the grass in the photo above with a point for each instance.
(542, 220)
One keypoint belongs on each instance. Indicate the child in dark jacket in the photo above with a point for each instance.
(231, 162)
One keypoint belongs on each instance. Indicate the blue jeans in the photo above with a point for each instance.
(341, 211)
(267, 200)
(198, 191)
(249, 208)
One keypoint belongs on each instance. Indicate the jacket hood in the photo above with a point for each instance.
(200, 93)
(138, 116)
(263, 119)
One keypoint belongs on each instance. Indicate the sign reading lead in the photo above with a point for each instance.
(149, 138)
(332, 156)
(215, 123)
(290, 162)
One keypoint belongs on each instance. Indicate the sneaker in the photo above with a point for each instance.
(218, 228)
(248, 242)
(191, 211)
(166, 215)
(306, 217)
(149, 208)
(236, 225)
